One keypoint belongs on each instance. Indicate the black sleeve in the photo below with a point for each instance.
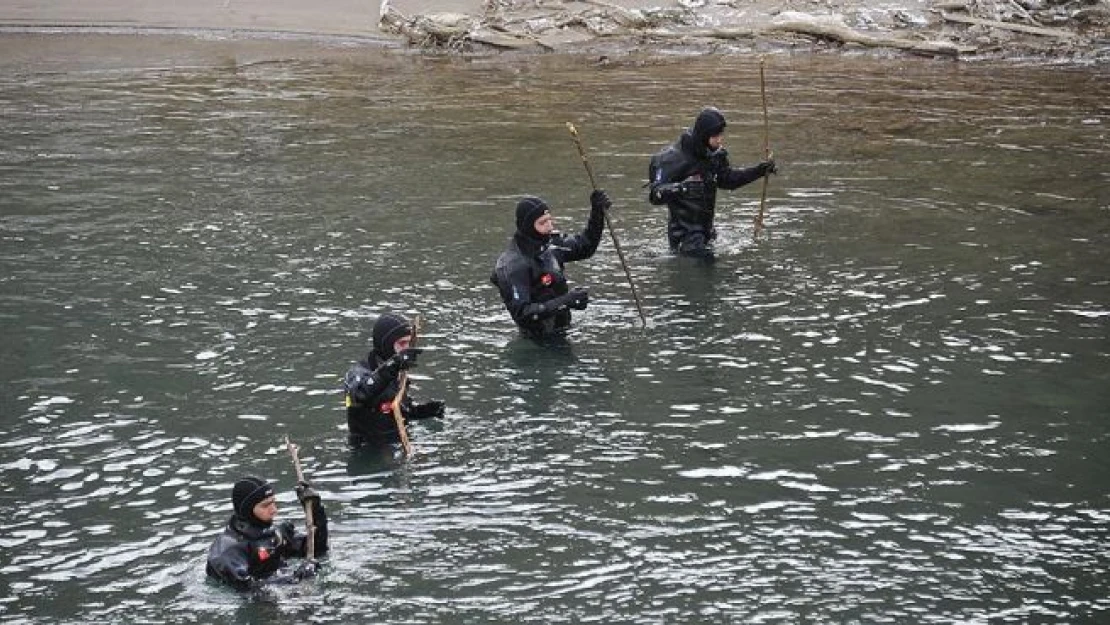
(583, 245)
(426, 410)
(663, 182)
(320, 520)
(731, 178)
(232, 566)
(364, 385)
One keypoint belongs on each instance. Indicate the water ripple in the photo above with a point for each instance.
(886, 408)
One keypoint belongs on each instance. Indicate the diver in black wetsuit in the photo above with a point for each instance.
(371, 385)
(686, 175)
(529, 273)
(253, 550)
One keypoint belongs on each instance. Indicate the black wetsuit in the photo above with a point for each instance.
(370, 387)
(685, 176)
(529, 274)
(248, 553)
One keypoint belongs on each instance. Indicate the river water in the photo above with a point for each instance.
(890, 406)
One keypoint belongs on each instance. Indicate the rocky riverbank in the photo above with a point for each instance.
(1049, 30)
(1071, 30)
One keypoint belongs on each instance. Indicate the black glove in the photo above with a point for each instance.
(429, 410)
(402, 360)
(719, 159)
(304, 570)
(767, 167)
(579, 298)
(305, 493)
(599, 200)
(284, 532)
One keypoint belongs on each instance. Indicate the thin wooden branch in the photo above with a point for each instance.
(833, 28)
(711, 33)
(1020, 28)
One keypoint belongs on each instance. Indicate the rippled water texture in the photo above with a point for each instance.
(891, 407)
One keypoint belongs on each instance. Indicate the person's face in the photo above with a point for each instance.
(402, 344)
(716, 141)
(545, 225)
(265, 510)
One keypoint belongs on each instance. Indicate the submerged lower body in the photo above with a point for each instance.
(366, 428)
(357, 441)
(552, 328)
(693, 244)
(556, 339)
(370, 459)
(691, 235)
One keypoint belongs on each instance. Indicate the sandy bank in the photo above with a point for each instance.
(326, 17)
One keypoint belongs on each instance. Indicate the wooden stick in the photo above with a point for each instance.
(1019, 28)
(398, 418)
(766, 150)
(612, 233)
(830, 27)
(310, 524)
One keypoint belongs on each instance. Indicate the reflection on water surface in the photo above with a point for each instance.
(889, 407)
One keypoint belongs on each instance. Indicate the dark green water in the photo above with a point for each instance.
(892, 407)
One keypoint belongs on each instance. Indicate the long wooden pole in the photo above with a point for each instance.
(612, 233)
(399, 418)
(310, 523)
(766, 149)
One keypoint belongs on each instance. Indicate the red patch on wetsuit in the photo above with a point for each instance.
(546, 279)
(386, 407)
(263, 554)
